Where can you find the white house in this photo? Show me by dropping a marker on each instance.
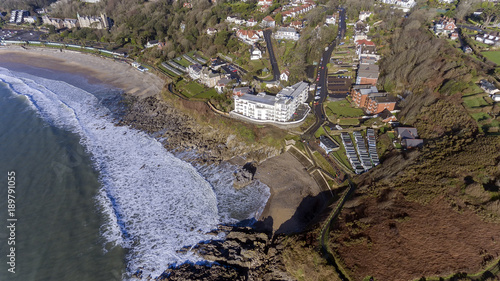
(279, 108)
(152, 43)
(330, 19)
(268, 22)
(211, 31)
(248, 36)
(255, 53)
(287, 33)
(264, 2)
(363, 15)
(251, 22)
(488, 87)
(284, 75)
(194, 71)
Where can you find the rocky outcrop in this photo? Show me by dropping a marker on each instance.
(244, 175)
(245, 254)
(180, 132)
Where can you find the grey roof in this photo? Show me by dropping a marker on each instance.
(412, 142)
(327, 142)
(407, 132)
(295, 90)
(368, 70)
(260, 98)
(287, 29)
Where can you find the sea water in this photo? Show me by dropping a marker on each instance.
(96, 201)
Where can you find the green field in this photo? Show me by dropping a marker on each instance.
(474, 101)
(207, 94)
(343, 109)
(481, 116)
(493, 56)
(319, 132)
(189, 89)
(349, 122)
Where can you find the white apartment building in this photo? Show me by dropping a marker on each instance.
(279, 108)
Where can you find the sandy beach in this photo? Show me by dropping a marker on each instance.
(97, 69)
(294, 193)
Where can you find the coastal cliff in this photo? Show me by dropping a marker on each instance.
(181, 132)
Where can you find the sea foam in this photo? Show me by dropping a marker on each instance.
(154, 203)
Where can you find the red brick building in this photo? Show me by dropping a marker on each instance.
(373, 102)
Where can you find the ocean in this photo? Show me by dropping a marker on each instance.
(96, 201)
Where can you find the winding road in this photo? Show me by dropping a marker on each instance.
(323, 81)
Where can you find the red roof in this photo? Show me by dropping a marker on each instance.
(268, 18)
(364, 42)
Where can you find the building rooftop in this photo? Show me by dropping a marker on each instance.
(327, 142)
(368, 70)
(259, 98)
(294, 90)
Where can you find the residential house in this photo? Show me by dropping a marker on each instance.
(194, 71)
(287, 33)
(297, 24)
(268, 22)
(251, 22)
(495, 97)
(187, 5)
(211, 31)
(56, 22)
(231, 19)
(405, 4)
(71, 23)
(264, 8)
(30, 19)
(445, 25)
(222, 84)
(488, 87)
(240, 21)
(248, 36)
(367, 74)
(152, 43)
(242, 91)
(447, 1)
(255, 53)
(264, 2)
(330, 19)
(284, 75)
(209, 78)
(327, 144)
(492, 38)
(17, 16)
(217, 63)
(409, 137)
(101, 22)
(278, 108)
(454, 35)
(371, 100)
(363, 15)
(387, 116)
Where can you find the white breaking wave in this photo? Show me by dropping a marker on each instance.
(155, 203)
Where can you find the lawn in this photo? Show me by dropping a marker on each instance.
(207, 95)
(349, 122)
(189, 89)
(475, 101)
(493, 56)
(343, 109)
(168, 72)
(182, 61)
(480, 116)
